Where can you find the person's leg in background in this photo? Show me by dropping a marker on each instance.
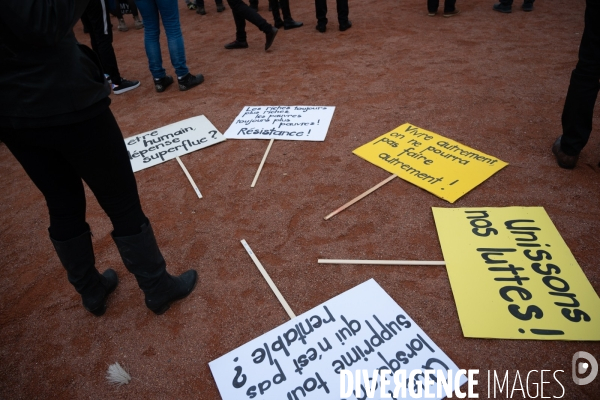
(98, 19)
(578, 111)
(342, 11)
(169, 14)
(321, 11)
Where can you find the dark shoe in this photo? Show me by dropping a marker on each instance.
(278, 24)
(236, 45)
(321, 28)
(191, 6)
(142, 257)
(527, 6)
(201, 11)
(162, 83)
(291, 24)
(432, 13)
(189, 81)
(563, 160)
(451, 13)
(125, 86)
(345, 26)
(220, 8)
(77, 257)
(503, 8)
(270, 37)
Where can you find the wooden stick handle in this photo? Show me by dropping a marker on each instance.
(262, 163)
(365, 194)
(381, 262)
(284, 303)
(189, 177)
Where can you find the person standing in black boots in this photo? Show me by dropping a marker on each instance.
(202, 11)
(287, 22)
(55, 119)
(342, 12)
(242, 12)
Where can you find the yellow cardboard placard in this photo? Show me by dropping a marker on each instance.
(437, 164)
(513, 276)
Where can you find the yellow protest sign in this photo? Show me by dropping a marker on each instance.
(513, 276)
(437, 164)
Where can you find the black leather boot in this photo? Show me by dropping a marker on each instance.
(77, 256)
(142, 257)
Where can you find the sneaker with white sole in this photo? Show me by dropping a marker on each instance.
(125, 86)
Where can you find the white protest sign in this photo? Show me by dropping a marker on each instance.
(163, 144)
(282, 123)
(362, 329)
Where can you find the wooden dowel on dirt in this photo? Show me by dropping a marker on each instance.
(262, 163)
(365, 194)
(265, 275)
(189, 177)
(381, 262)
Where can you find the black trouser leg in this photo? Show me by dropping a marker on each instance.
(433, 5)
(98, 19)
(242, 11)
(58, 158)
(342, 11)
(321, 11)
(275, 10)
(583, 90)
(449, 6)
(285, 10)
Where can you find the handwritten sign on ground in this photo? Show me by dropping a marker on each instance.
(282, 123)
(163, 144)
(362, 328)
(437, 164)
(513, 276)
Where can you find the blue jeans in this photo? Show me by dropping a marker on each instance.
(169, 13)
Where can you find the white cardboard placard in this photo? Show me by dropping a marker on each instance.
(308, 123)
(363, 328)
(163, 144)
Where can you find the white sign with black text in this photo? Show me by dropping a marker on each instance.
(361, 330)
(282, 123)
(163, 144)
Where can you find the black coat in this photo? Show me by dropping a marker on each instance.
(46, 77)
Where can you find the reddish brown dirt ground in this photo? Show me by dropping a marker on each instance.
(492, 81)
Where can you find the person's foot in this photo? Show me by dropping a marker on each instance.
(191, 6)
(270, 37)
(161, 84)
(278, 24)
(503, 8)
(527, 6)
(291, 24)
(345, 26)
(189, 81)
(564, 160)
(125, 86)
(451, 13)
(432, 13)
(122, 27)
(236, 45)
(220, 8)
(321, 28)
(138, 23)
(201, 11)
